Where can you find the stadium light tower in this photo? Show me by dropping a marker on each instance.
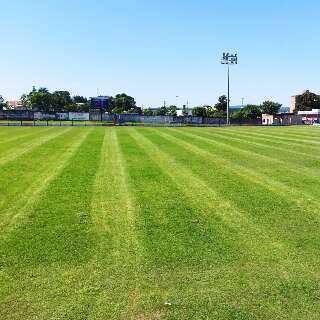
(229, 59)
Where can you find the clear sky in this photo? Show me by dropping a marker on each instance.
(160, 49)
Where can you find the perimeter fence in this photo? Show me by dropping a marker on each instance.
(30, 118)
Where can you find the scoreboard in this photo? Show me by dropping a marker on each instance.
(99, 103)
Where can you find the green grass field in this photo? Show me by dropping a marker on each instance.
(159, 223)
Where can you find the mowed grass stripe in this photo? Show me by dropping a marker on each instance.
(264, 256)
(278, 138)
(12, 141)
(255, 151)
(112, 204)
(240, 170)
(119, 253)
(305, 132)
(21, 181)
(252, 194)
(291, 175)
(6, 132)
(203, 197)
(265, 135)
(10, 134)
(261, 147)
(44, 262)
(297, 148)
(59, 227)
(17, 151)
(171, 221)
(178, 234)
(8, 148)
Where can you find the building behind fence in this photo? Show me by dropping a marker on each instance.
(282, 119)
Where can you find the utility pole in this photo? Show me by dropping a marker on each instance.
(229, 59)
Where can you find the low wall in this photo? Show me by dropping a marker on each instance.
(123, 118)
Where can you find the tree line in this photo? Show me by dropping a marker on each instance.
(61, 101)
(250, 111)
(219, 110)
(58, 101)
(43, 100)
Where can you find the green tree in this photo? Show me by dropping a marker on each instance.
(136, 110)
(72, 107)
(60, 100)
(270, 107)
(83, 107)
(237, 114)
(307, 101)
(39, 100)
(2, 103)
(80, 104)
(123, 103)
(251, 111)
(162, 111)
(172, 111)
(199, 112)
(212, 112)
(41, 89)
(216, 114)
(79, 99)
(222, 104)
(24, 98)
(147, 112)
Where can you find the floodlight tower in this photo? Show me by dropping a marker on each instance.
(229, 59)
(177, 101)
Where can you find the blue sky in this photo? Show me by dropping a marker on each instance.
(156, 50)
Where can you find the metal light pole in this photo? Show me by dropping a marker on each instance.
(228, 59)
(228, 101)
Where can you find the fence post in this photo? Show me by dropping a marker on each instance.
(47, 123)
(20, 123)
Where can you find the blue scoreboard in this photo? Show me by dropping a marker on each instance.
(101, 103)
